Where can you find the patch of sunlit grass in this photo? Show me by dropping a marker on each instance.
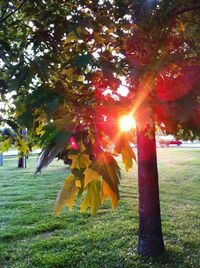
(31, 236)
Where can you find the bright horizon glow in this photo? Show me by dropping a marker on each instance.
(126, 123)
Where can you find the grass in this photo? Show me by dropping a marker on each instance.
(31, 236)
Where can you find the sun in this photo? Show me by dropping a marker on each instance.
(126, 123)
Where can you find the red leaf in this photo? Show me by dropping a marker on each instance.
(176, 81)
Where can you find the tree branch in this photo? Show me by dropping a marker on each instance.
(11, 13)
(4, 11)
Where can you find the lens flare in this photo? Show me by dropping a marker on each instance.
(73, 143)
(127, 123)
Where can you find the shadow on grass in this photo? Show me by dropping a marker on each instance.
(171, 258)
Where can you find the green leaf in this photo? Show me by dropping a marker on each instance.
(93, 198)
(50, 133)
(66, 195)
(40, 67)
(82, 60)
(109, 169)
(21, 78)
(53, 133)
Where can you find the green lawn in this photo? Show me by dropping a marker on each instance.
(31, 236)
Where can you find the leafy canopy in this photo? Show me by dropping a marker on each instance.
(64, 61)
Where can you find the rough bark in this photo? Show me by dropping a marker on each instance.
(150, 242)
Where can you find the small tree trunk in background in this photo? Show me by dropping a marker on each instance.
(150, 242)
(22, 157)
(20, 162)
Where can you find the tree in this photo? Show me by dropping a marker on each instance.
(11, 133)
(65, 61)
(9, 138)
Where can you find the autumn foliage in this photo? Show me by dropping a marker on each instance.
(64, 61)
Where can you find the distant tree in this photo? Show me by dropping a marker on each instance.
(8, 138)
(7, 132)
(65, 61)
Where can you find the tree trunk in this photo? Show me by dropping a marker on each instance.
(150, 242)
(22, 157)
(22, 161)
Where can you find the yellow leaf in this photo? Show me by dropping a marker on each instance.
(127, 156)
(79, 160)
(106, 191)
(109, 169)
(80, 78)
(5, 145)
(99, 39)
(70, 37)
(92, 139)
(110, 30)
(181, 27)
(68, 147)
(69, 72)
(90, 175)
(22, 146)
(92, 199)
(123, 147)
(78, 184)
(70, 200)
(41, 119)
(66, 195)
(81, 146)
(40, 130)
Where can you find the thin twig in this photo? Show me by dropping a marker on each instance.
(4, 11)
(11, 13)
